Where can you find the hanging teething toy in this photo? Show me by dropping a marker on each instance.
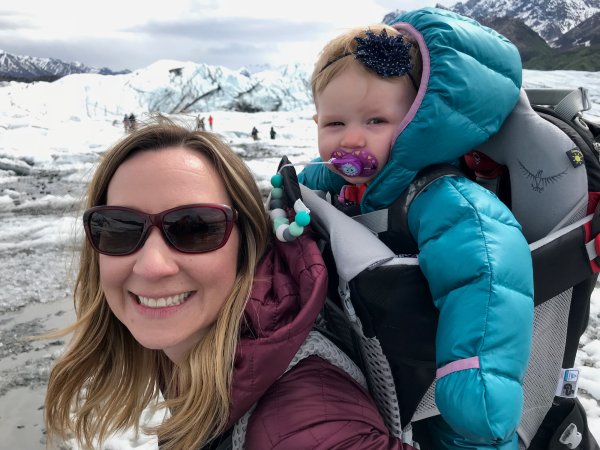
(283, 229)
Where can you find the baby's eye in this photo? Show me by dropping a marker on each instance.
(376, 121)
(334, 124)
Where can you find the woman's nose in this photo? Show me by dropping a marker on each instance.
(354, 137)
(156, 258)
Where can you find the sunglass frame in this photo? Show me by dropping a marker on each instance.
(157, 220)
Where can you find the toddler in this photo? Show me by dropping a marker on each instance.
(390, 101)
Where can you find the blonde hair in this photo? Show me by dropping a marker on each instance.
(105, 378)
(331, 60)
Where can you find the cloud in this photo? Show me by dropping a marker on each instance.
(409, 5)
(13, 21)
(232, 33)
(134, 54)
(232, 29)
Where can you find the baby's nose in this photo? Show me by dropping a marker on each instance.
(353, 138)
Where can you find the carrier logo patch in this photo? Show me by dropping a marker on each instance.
(567, 383)
(539, 181)
(575, 156)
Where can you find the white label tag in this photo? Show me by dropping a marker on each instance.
(567, 384)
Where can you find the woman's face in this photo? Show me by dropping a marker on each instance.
(152, 182)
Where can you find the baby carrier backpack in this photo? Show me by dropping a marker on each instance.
(544, 164)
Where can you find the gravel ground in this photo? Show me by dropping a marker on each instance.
(37, 269)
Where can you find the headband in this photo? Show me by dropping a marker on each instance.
(387, 56)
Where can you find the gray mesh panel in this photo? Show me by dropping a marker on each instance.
(549, 337)
(318, 345)
(427, 407)
(381, 383)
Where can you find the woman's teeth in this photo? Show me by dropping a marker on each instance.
(163, 302)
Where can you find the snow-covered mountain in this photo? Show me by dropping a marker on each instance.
(177, 87)
(166, 86)
(587, 33)
(549, 18)
(32, 68)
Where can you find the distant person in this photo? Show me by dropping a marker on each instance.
(126, 123)
(273, 133)
(132, 122)
(210, 122)
(200, 126)
(254, 133)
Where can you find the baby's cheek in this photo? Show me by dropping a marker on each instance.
(324, 155)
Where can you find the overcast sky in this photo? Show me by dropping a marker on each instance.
(132, 34)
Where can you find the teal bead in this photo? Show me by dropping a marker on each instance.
(279, 221)
(277, 193)
(277, 180)
(295, 229)
(302, 218)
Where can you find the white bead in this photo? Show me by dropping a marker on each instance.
(279, 232)
(277, 212)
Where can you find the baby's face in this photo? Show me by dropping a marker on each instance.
(357, 111)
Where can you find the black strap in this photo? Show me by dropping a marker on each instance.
(565, 412)
(398, 236)
(291, 188)
(560, 264)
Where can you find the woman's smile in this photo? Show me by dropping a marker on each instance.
(163, 301)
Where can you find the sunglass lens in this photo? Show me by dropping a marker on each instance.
(115, 232)
(196, 229)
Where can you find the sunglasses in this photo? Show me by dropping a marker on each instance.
(119, 231)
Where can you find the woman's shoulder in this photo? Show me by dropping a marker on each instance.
(316, 405)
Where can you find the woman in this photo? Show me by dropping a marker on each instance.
(183, 290)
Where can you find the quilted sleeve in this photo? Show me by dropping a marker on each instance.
(317, 406)
(479, 269)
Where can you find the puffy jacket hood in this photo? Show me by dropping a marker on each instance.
(289, 291)
(470, 83)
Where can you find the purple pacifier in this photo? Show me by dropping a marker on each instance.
(357, 163)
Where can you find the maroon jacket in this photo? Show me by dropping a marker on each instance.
(315, 405)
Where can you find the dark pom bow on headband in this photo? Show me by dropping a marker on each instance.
(387, 56)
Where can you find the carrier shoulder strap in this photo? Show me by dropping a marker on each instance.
(391, 224)
(567, 103)
(557, 106)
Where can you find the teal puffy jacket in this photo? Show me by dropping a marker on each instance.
(471, 249)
